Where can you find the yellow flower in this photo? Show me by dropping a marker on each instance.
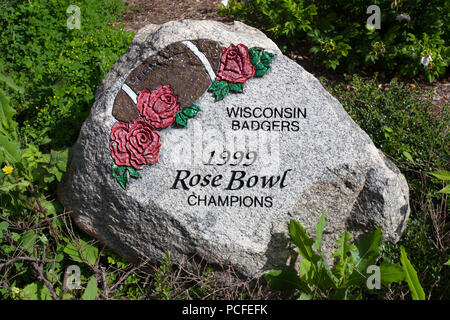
(7, 170)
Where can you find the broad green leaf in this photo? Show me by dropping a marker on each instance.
(344, 252)
(36, 291)
(89, 252)
(11, 149)
(325, 278)
(300, 238)
(10, 83)
(72, 251)
(391, 272)
(307, 271)
(445, 190)
(60, 158)
(305, 296)
(6, 111)
(90, 293)
(3, 226)
(447, 263)
(319, 231)
(286, 280)
(368, 250)
(411, 278)
(181, 119)
(408, 156)
(30, 292)
(443, 175)
(28, 240)
(50, 207)
(82, 252)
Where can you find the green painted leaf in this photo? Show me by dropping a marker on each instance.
(260, 70)
(181, 119)
(90, 293)
(133, 172)
(255, 55)
(391, 272)
(286, 280)
(411, 278)
(319, 231)
(118, 171)
(191, 111)
(236, 87)
(266, 58)
(300, 238)
(218, 85)
(222, 93)
(123, 180)
(443, 175)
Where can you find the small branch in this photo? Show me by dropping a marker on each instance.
(43, 278)
(25, 259)
(105, 285)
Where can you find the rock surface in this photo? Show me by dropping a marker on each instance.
(323, 163)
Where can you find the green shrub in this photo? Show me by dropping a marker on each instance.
(59, 68)
(399, 120)
(337, 34)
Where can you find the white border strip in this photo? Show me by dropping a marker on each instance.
(130, 92)
(202, 58)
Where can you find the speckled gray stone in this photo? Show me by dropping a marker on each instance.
(334, 167)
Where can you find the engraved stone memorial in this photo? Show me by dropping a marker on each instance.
(206, 140)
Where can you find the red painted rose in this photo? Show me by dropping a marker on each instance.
(134, 144)
(159, 107)
(235, 65)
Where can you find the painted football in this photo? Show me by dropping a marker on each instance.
(189, 67)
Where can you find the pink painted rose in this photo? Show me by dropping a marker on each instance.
(134, 144)
(235, 65)
(159, 107)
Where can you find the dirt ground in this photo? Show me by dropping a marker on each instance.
(143, 12)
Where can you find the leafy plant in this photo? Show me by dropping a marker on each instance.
(338, 35)
(59, 68)
(443, 176)
(348, 278)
